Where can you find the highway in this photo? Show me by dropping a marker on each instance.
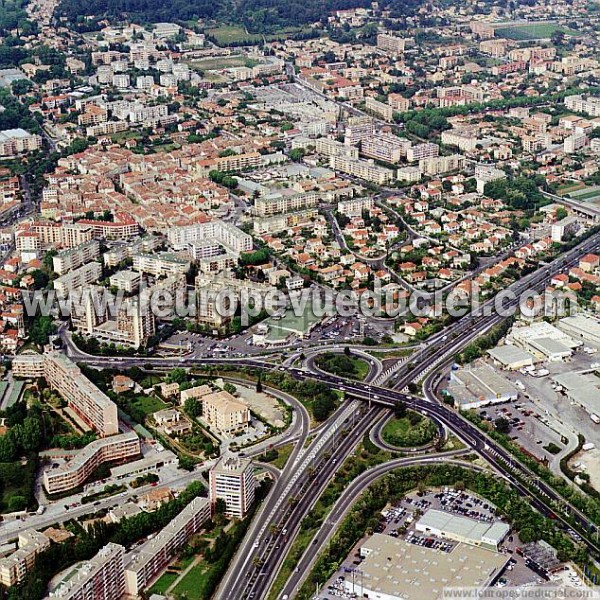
(347, 500)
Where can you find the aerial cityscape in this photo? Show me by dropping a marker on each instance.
(299, 300)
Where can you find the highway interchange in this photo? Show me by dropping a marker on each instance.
(317, 455)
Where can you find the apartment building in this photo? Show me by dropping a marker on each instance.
(75, 257)
(464, 139)
(117, 448)
(225, 234)
(123, 227)
(162, 264)
(57, 234)
(94, 408)
(119, 253)
(277, 223)
(17, 141)
(421, 151)
(398, 102)
(386, 147)
(100, 578)
(391, 43)
(329, 147)
(589, 105)
(14, 567)
(363, 169)
(358, 129)
(354, 207)
(84, 275)
(442, 164)
(225, 413)
(143, 564)
(385, 111)
(274, 204)
(235, 162)
(574, 143)
(232, 480)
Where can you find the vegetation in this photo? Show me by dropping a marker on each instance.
(364, 516)
(409, 431)
(343, 365)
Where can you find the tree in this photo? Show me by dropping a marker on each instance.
(17, 503)
(193, 407)
(502, 425)
(177, 375)
(32, 434)
(229, 387)
(259, 386)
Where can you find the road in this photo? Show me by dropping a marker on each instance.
(345, 503)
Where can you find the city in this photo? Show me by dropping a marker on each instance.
(299, 300)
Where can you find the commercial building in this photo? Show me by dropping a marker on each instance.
(363, 169)
(16, 141)
(143, 564)
(511, 357)
(585, 329)
(224, 412)
(100, 578)
(463, 529)
(14, 567)
(84, 275)
(85, 401)
(117, 448)
(232, 480)
(394, 569)
(479, 385)
(581, 388)
(75, 257)
(544, 341)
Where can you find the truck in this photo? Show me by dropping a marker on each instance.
(588, 446)
(595, 418)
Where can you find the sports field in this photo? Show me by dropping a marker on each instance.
(531, 31)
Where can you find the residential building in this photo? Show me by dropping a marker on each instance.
(17, 141)
(216, 232)
(421, 151)
(146, 562)
(84, 275)
(225, 413)
(232, 480)
(75, 257)
(363, 169)
(385, 111)
(100, 578)
(385, 147)
(391, 43)
(14, 567)
(115, 449)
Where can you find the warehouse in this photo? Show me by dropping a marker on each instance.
(581, 388)
(583, 328)
(463, 529)
(479, 385)
(545, 341)
(511, 358)
(394, 569)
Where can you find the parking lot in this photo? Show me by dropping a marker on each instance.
(399, 521)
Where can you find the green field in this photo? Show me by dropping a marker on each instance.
(531, 31)
(409, 431)
(223, 62)
(586, 194)
(343, 365)
(148, 404)
(225, 35)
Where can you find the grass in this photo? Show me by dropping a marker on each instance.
(193, 584)
(283, 455)
(564, 190)
(532, 31)
(149, 404)
(163, 583)
(225, 35)
(343, 365)
(409, 431)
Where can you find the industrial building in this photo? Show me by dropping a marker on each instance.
(394, 569)
(544, 341)
(581, 388)
(511, 357)
(583, 328)
(478, 385)
(463, 529)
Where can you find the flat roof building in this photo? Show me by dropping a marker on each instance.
(14, 567)
(511, 357)
(100, 578)
(117, 448)
(394, 569)
(232, 480)
(463, 529)
(544, 341)
(583, 328)
(146, 562)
